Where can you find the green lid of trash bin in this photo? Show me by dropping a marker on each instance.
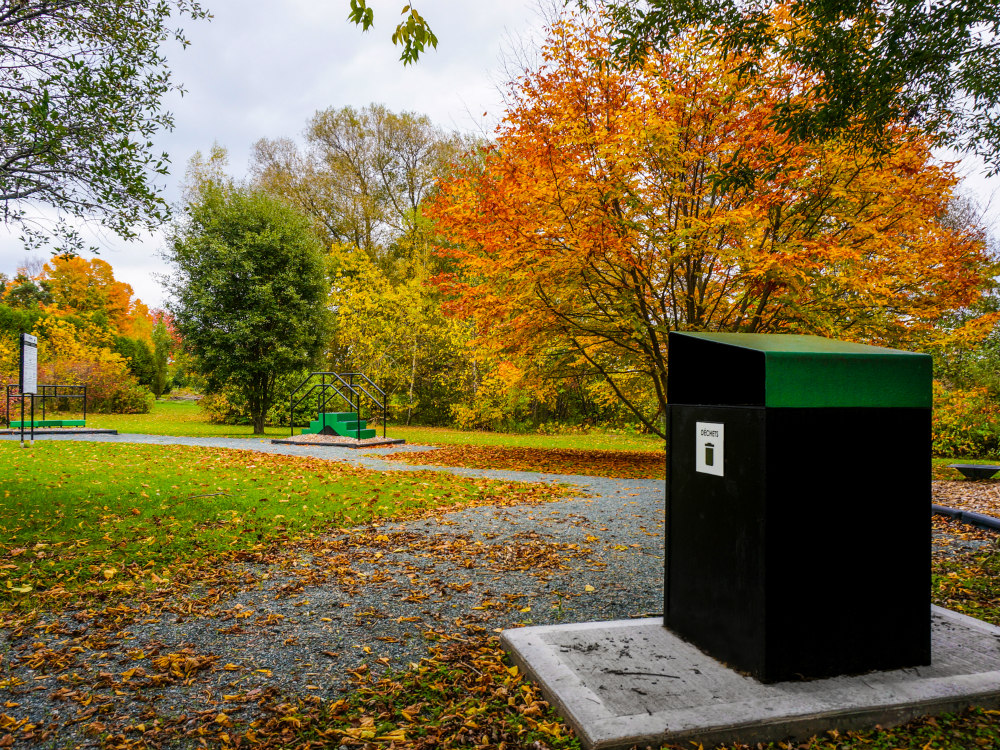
(788, 370)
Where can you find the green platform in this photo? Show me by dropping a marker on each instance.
(50, 423)
(345, 424)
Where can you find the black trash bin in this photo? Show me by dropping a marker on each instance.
(798, 504)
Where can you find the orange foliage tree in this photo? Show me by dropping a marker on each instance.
(88, 288)
(617, 205)
(90, 328)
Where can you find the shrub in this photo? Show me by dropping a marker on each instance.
(111, 389)
(14, 321)
(5, 379)
(220, 410)
(131, 398)
(966, 422)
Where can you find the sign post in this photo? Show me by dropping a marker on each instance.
(28, 380)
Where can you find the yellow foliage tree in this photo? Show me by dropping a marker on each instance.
(395, 333)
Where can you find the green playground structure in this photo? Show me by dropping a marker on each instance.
(343, 423)
(354, 390)
(52, 397)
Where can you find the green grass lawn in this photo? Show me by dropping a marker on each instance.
(74, 515)
(175, 418)
(186, 418)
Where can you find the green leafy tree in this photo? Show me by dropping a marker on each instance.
(139, 356)
(249, 291)
(930, 64)
(25, 292)
(81, 90)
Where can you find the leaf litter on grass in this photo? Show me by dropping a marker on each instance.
(595, 463)
(133, 650)
(979, 496)
(109, 665)
(118, 687)
(951, 536)
(78, 516)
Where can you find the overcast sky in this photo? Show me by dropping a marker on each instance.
(263, 69)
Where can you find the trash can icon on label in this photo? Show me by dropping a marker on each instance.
(709, 444)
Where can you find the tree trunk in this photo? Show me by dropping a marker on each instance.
(259, 403)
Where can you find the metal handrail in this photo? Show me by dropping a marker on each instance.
(350, 403)
(367, 380)
(322, 387)
(304, 382)
(347, 381)
(354, 389)
(350, 388)
(55, 394)
(384, 402)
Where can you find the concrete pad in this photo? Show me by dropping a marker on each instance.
(633, 683)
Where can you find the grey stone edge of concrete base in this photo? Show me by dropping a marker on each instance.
(50, 433)
(601, 729)
(371, 446)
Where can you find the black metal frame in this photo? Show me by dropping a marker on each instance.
(346, 380)
(53, 392)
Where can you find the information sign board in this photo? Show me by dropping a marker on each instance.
(29, 364)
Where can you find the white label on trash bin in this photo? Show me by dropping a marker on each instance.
(710, 441)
